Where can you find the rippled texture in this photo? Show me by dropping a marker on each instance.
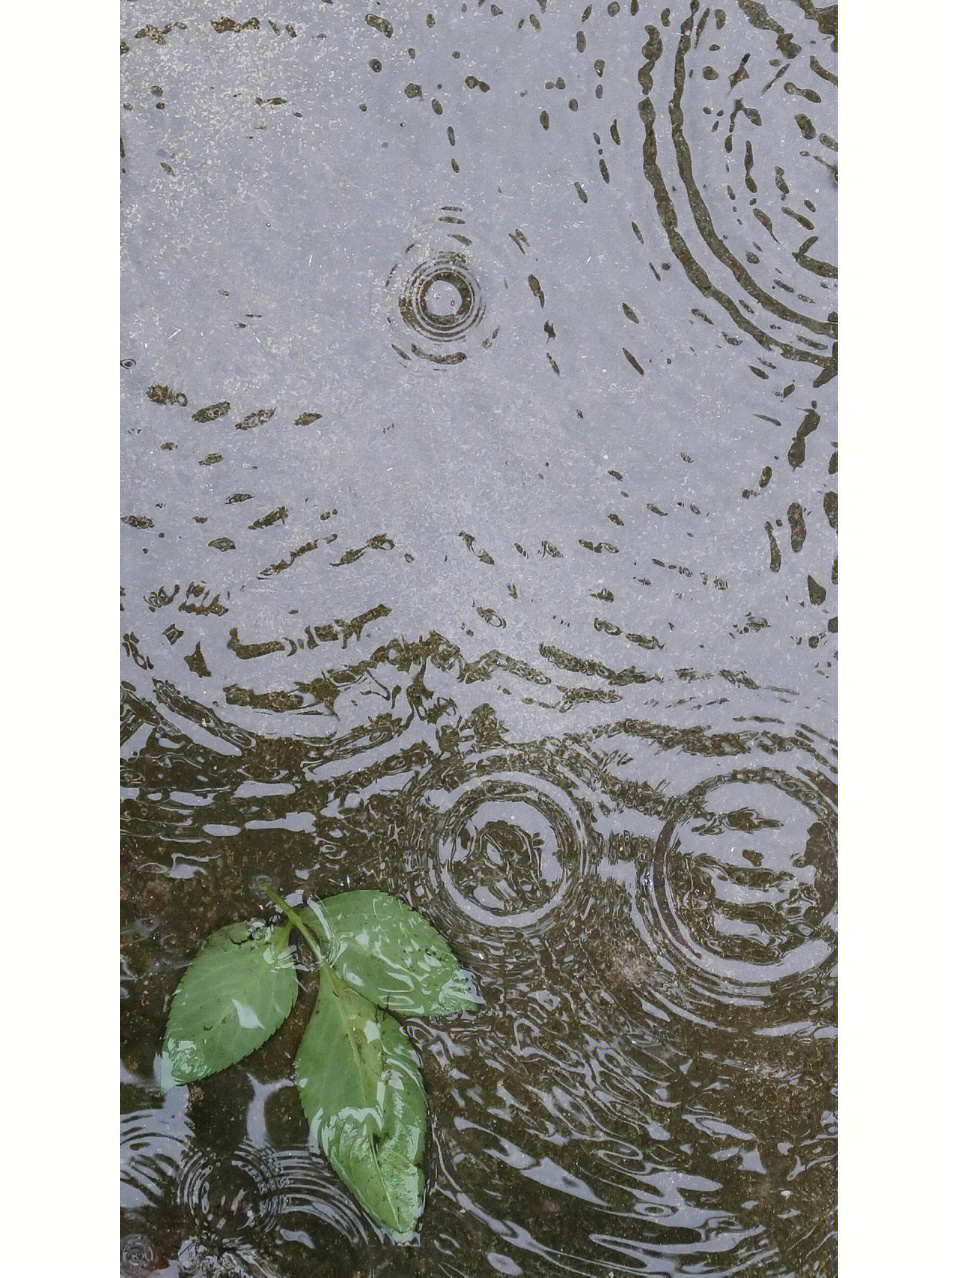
(479, 547)
(432, 300)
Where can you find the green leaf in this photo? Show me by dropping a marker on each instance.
(362, 1094)
(392, 955)
(236, 993)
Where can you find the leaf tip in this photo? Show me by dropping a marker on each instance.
(165, 1073)
(403, 1238)
(459, 994)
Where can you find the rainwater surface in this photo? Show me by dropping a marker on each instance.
(478, 428)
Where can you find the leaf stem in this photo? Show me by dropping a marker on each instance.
(323, 921)
(296, 918)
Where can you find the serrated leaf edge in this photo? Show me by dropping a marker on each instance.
(168, 1079)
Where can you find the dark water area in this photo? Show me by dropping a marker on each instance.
(479, 472)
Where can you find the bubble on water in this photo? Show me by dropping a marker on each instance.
(261, 885)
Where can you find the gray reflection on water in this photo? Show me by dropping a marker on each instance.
(479, 519)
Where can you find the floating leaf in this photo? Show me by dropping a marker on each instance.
(392, 955)
(236, 993)
(363, 1097)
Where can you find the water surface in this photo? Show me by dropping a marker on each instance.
(479, 546)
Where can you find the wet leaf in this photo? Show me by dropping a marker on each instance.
(363, 1097)
(236, 993)
(393, 956)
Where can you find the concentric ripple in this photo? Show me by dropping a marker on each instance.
(234, 1197)
(440, 298)
(734, 922)
(740, 123)
(475, 373)
(196, 1260)
(138, 1256)
(434, 299)
(506, 840)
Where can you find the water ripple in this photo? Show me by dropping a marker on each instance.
(729, 922)
(434, 299)
(479, 528)
(237, 1197)
(505, 840)
(138, 1256)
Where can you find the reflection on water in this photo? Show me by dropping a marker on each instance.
(646, 907)
(479, 506)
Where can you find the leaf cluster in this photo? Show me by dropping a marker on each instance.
(357, 1072)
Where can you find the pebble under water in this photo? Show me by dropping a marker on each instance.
(479, 546)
